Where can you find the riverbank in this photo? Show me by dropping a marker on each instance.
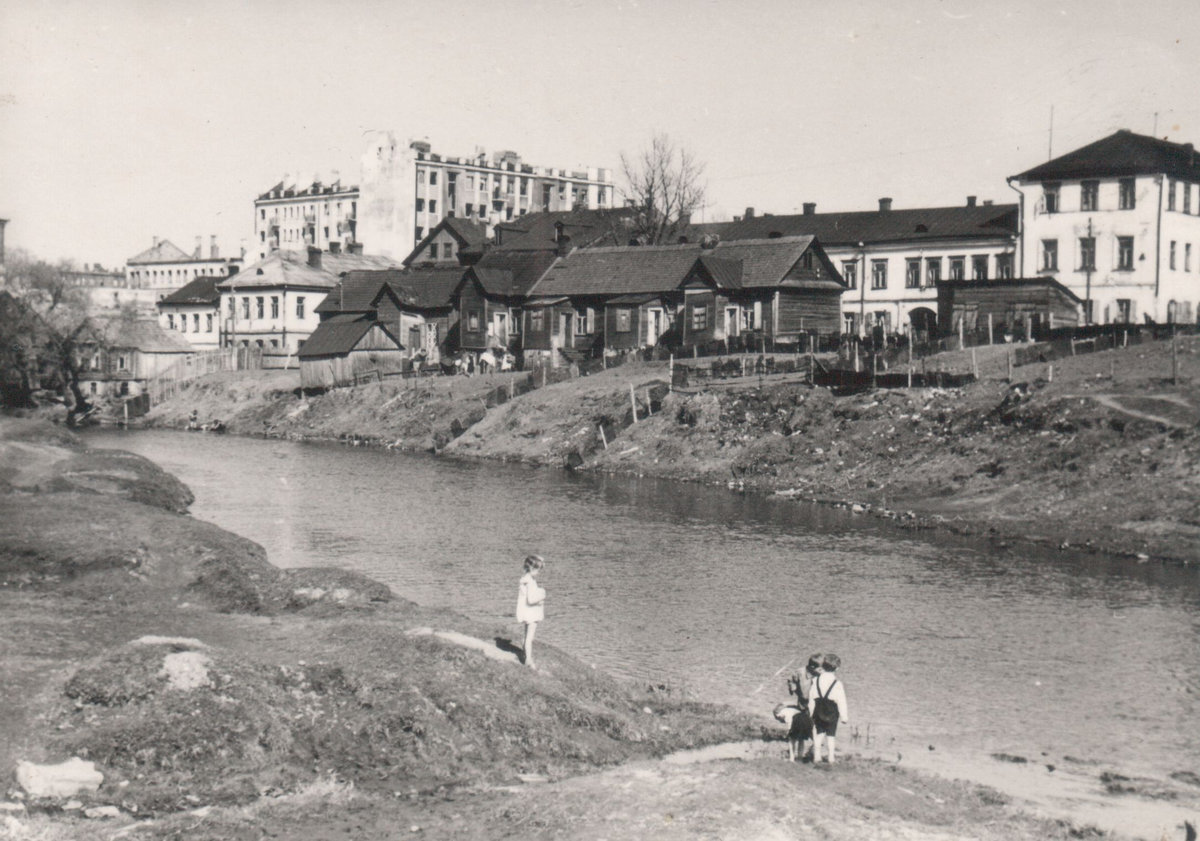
(1100, 454)
(224, 698)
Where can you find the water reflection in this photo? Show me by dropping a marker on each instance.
(944, 639)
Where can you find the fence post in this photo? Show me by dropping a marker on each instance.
(1050, 373)
(1174, 359)
(671, 372)
(633, 402)
(974, 364)
(1008, 357)
(603, 437)
(990, 328)
(961, 328)
(1072, 341)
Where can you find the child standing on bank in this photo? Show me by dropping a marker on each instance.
(530, 598)
(827, 706)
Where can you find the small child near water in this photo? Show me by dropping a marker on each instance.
(530, 608)
(827, 706)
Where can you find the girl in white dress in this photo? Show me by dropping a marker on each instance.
(530, 599)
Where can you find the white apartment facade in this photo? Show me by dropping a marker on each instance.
(292, 217)
(164, 268)
(1118, 223)
(407, 189)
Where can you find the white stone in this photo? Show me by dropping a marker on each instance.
(102, 812)
(186, 670)
(62, 780)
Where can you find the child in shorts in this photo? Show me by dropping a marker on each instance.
(827, 706)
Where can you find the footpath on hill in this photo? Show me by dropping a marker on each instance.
(209, 695)
(1100, 453)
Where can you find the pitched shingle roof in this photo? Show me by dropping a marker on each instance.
(359, 291)
(141, 334)
(339, 335)
(511, 273)
(639, 270)
(586, 228)
(469, 233)
(1120, 154)
(874, 226)
(202, 290)
(290, 268)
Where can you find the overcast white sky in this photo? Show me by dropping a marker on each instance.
(125, 119)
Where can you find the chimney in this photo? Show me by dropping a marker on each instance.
(335, 247)
(810, 208)
(314, 257)
(749, 213)
(558, 231)
(213, 252)
(355, 247)
(885, 205)
(970, 201)
(155, 242)
(197, 253)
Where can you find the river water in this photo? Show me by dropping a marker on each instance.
(967, 647)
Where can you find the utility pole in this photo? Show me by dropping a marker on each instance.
(1090, 267)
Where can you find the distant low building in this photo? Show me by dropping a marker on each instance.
(164, 268)
(292, 216)
(193, 312)
(126, 353)
(346, 349)
(109, 289)
(1012, 308)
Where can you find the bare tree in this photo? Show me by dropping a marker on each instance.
(663, 184)
(49, 328)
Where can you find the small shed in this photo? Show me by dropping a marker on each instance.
(1014, 304)
(347, 348)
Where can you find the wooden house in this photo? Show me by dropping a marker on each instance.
(688, 294)
(347, 348)
(492, 295)
(124, 354)
(1018, 307)
(454, 241)
(416, 305)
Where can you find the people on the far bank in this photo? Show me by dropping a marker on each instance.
(827, 706)
(530, 604)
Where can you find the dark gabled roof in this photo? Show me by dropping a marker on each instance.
(1120, 154)
(510, 273)
(874, 226)
(355, 293)
(586, 229)
(202, 290)
(469, 233)
(290, 268)
(339, 335)
(428, 289)
(640, 270)
(420, 289)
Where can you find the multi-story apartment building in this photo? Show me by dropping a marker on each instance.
(292, 217)
(407, 189)
(164, 268)
(1118, 223)
(892, 260)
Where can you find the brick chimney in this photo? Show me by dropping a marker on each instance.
(199, 242)
(335, 247)
(885, 204)
(970, 201)
(810, 208)
(314, 257)
(355, 247)
(214, 253)
(749, 213)
(155, 245)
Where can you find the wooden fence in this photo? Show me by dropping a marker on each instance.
(176, 378)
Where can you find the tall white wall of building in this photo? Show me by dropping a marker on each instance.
(387, 193)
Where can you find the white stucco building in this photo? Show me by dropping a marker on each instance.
(292, 216)
(164, 267)
(1118, 223)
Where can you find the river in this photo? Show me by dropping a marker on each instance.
(946, 643)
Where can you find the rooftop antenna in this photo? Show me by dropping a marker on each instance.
(1050, 151)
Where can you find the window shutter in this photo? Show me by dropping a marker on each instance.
(1107, 320)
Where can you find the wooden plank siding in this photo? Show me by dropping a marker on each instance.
(1009, 305)
(808, 311)
(472, 302)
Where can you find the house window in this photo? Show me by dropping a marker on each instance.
(433, 250)
(806, 260)
(420, 233)
(1187, 198)
(1050, 255)
(183, 323)
(979, 265)
(912, 274)
(537, 321)
(581, 325)
(1127, 194)
(470, 183)
(850, 273)
(1125, 253)
(196, 322)
(1124, 310)
(208, 322)
(624, 320)
(470, 208)
(300, 306)
(1089, 310)
(246, 308)
(258, 306)
(1171, 256)
(433, 205)
(170, 322)
(232, 304)
(933, 270)
(1050, 197)
(1087, 253)
(274, 306)
(699, 317)
(1004, 266)
(432, 177)
(420, 176)
(122, 363)
(1089, 195)
(473, 321)
(1187, 256)
(879, 274)
(420, 205)
(958, 268)
(1171, 194)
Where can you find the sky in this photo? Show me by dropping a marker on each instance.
(122, 120)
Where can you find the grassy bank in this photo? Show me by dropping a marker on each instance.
(224, 698)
